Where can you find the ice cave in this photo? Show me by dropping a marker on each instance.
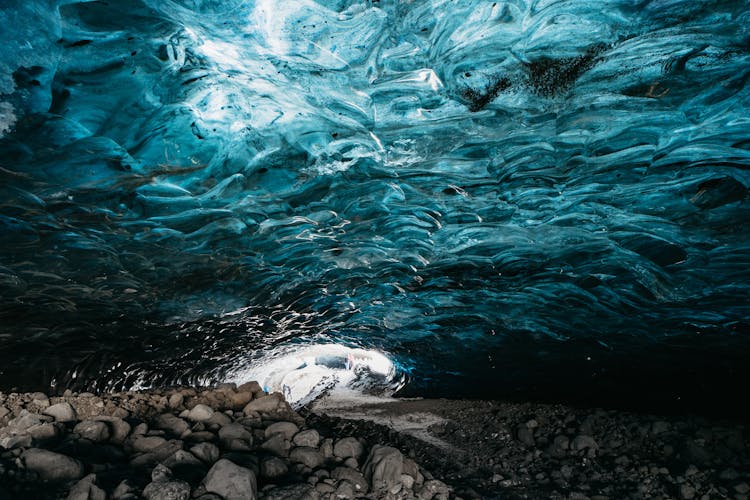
(522, 199)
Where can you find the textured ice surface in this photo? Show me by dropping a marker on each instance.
(483, 189)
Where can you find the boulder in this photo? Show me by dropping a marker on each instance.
(86, 489)
(272, 403)
(199, 413)
(273, 467)
(286, 429)
(235, 431)
(353, 476)
(384, 467)
(309, 457)
(207, 452)
(94, 431)
(119, 429)
(51, 466)
(309, 437)
(231, 481)
(170, 423)
(61, 412)
(277, 445)
(167, 490)
(348, 447)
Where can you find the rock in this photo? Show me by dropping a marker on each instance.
(119, 429)
(286, 429)
(742, 488)
(181, 458)
(660, 427)
(309, 437)
(686, 491)
(277, 445)
(206, 452)
(218, 419)
(384, 467)
(145, 444)
(239, 400)
(252, 387)
(24, 421)
(525, 435)
(348, 447)
(51, 466)
(351, 462)
(273, 467)
(433, 489)
(92, 430)
(167, 490)
(124, 488)
(43, 432)
(4, 411)
(326, 447)
(170, 423)
(61, 412)
(199, 413)
(309, 457)
(293, 492)
(235, 431)
(175, 400)
(407, 481)
(354, 477)
(582, 442)
(272, 403)
(86, 489)
(231, 481)
(345, 489)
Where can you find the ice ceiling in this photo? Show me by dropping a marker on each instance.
(489, 192)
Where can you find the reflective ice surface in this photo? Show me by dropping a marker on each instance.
(493, 192)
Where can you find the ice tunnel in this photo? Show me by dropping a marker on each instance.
(528, 198)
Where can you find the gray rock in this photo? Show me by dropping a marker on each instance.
(273, 467)
(92, 430)
(384, 467)
(161, 473)
(686, 491)
(206, 452)
(351, 462)
(583, 442)
(170, 423)
(525, 435)
(145, 444)
(354, 477)
(660, 427)
(235, 431)
(124, 488)
(407, 481)
(348, 447)
(118, 428)
(293, 492)
(286, 429)
(218, 418)
(3, 411)
(181, 458)
(24, 421)
(175, 400)
(43, 432)
(13, 442)
(272, 403)
(433, 489)
(50, 466)
(86, 489)
(326, 447)
(309, 457)
(309, 437)
(277, 445)
(167, 490)
(199, 413)
(61, 412)
(231, 481)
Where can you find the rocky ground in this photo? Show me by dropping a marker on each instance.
(238, 442)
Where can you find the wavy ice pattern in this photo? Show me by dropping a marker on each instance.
(480, 189)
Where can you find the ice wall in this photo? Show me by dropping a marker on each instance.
(186, 182)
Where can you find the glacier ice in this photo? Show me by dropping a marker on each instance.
(476, 186)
